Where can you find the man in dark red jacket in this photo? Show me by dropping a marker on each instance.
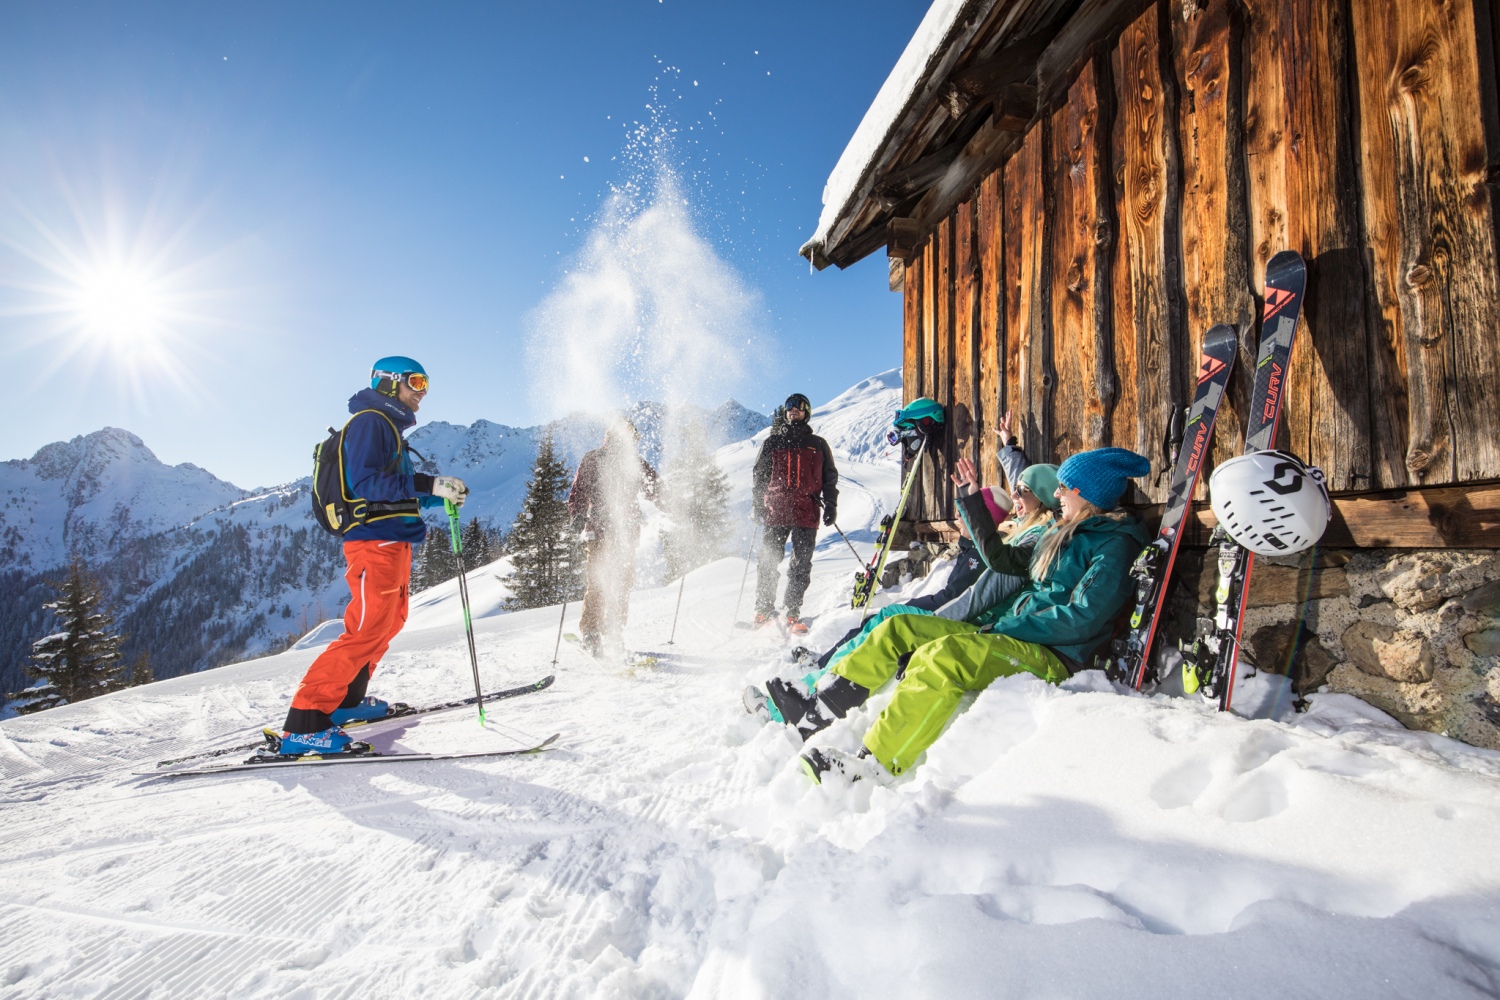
(794, 474)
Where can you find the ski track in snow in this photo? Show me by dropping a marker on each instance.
(1068, 842)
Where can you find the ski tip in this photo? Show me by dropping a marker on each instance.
(545, 743)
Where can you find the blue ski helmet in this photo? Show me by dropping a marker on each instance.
(386, 372)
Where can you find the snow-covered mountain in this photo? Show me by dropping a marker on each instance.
(86, 497)
(203, 572)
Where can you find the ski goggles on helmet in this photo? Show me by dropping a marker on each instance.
(415, 381)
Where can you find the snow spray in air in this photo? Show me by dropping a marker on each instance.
(649, 312)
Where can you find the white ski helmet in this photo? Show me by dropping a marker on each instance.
(1270, 502)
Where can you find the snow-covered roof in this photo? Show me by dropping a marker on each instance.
(897, 95)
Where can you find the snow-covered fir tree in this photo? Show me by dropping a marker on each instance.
(433, 563)
(476, 542)
(545, 553)
(695, 496)
(82, 658)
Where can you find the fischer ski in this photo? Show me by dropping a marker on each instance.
(1210, 663)
(399, 710)
(365, 755)
(1130, 655)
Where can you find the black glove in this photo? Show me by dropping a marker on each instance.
(757, 514)
(830, 514)
(579, 523)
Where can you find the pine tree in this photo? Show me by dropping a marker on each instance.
(434, 562)
(695, 497)
(140, 671)
(544, 549)
(81, 659)
(476, 542)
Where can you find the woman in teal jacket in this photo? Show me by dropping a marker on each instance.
(1077, 584)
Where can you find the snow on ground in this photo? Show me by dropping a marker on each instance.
(1057, 842)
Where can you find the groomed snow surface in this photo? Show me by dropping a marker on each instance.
(1057, 842)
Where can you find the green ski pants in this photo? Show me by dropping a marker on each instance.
(948, 658)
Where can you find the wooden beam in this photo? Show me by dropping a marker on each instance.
(1012, 64)
(991, 345)
(1027, 224)
(1430, 228)
(903, 236)
(1303, 189)
(1215, 249)
(1082, 241)
(1148, 337)
(1089, 25)
(1434, 517)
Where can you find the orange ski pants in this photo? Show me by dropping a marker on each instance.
(379, 577)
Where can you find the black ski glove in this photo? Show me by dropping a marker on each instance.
(830, 514)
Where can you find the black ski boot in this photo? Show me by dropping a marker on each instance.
(836, 697)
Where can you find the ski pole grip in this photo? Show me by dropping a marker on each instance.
(453, 532)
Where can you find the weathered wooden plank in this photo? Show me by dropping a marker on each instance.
(964, 413)
(1429, 222)
(1303, 195)
(991, 337)
(1215, 248)
(911, 332)
(1148, 344)
(1081, 241)
(1026, 321)
(923, 499)
(942, 385)
(1433, 517)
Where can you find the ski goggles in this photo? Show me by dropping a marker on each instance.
(415, 381)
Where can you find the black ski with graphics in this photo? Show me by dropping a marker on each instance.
(1210, 663)
(359, 753)
(399, 710)
(1130, 655)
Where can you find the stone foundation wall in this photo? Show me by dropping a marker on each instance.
(1416, 633)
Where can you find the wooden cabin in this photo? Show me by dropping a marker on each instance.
(1071, 192)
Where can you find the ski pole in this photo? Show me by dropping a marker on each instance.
(754, 539)
(558, 644)
(463, 596)
(680, 584)
(848, 543)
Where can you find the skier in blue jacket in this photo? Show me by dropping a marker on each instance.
(377, 469)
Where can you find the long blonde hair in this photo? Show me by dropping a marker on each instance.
(1057, 539)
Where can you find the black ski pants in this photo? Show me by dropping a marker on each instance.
(799, 573)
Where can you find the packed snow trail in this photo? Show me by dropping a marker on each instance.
(1067, 842)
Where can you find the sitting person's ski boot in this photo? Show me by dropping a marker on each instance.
(832, 701)
(368, 710)
(332, 740)
(817, 762)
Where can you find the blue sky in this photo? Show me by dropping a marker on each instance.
(296, 189)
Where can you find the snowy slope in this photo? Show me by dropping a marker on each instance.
(1058, 842)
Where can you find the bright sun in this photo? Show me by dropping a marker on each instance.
(120, 305)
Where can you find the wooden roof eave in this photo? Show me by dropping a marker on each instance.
(1014, 65)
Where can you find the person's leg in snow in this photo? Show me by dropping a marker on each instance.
(940, 671)
(379, 575)
(767, 574)
(849, 684)
(799, 572)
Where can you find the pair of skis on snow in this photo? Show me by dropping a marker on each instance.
(1209, 664)
(359, 752)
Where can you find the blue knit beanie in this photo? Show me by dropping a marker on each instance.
(1100, 475)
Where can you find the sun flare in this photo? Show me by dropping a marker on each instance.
(120, 304)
